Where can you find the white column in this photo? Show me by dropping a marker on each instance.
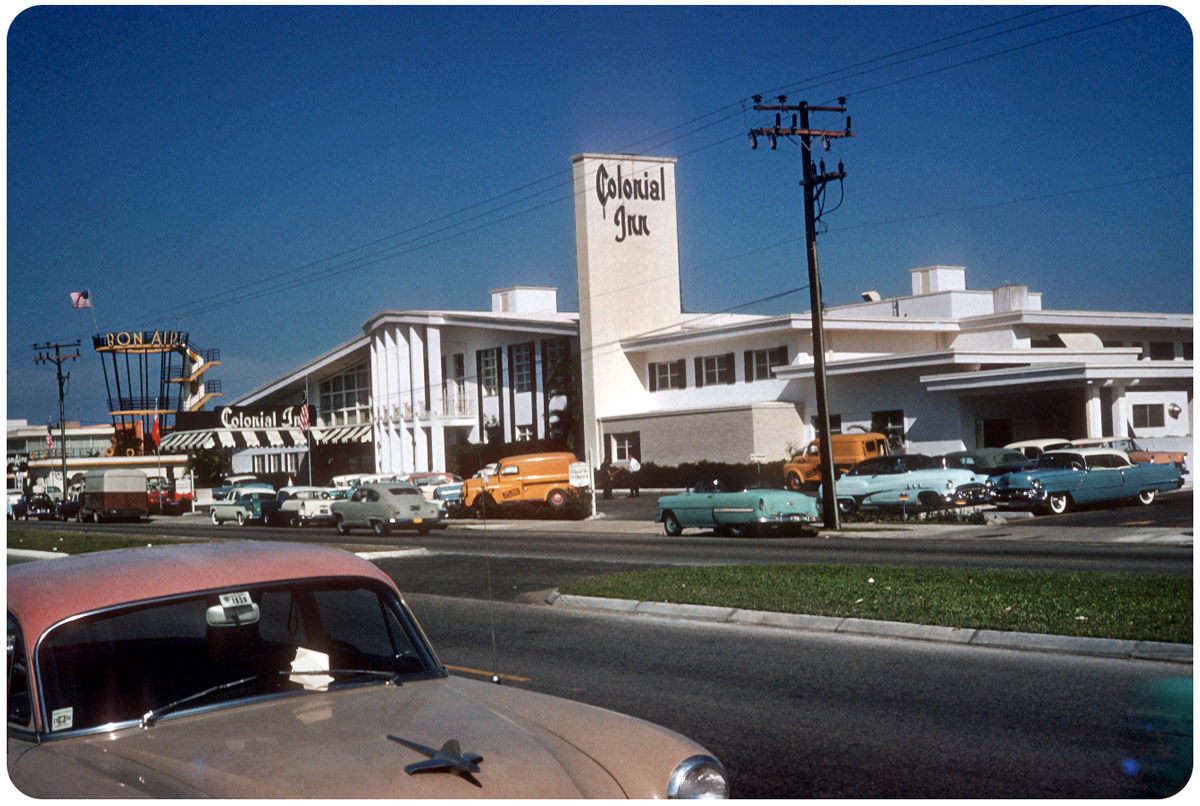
(437, 430)
(378, 393)
(1120, 412)
(1095, 427)
(403, 397)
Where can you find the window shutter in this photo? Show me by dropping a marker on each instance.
(699, 372)
(748, 357)
(653, 379)
(727, 363)
(779, 357)
(681, 372)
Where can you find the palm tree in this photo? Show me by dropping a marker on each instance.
(563, 381)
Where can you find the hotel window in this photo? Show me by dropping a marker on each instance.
(556, 350)
(714, 369)
(759, 363)
(491, 372)
(522, 367)
(345, 399)
(524, 433)
(1162, 351)
(1149, 415)
(890, 423)
(625, 446)
(668, 375)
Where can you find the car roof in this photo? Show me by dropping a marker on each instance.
(1037, 443)
(45, 592)
(383, 485)
(1088, 452)
(296, 488)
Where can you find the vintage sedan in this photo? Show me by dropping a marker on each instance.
(1136, 453)
(1064, 478)
(276, 670)
(300, 506)
(907, 479)
(988, 461)
(735, 509)
(382, 507)
(18, 507)
(244, 505)
(42, 507)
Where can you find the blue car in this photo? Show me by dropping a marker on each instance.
(907, 479)
(1064, 478)
(730, 508)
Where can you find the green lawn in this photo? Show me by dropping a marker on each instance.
(1100, 605)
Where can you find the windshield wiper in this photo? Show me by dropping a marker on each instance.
(151, 716)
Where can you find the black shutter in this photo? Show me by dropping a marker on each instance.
(653, 379)
(779, 356)
(727, 361)
(749, 362)
(699, 373)
(681, 371)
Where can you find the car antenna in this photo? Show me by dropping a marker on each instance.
(487, 562)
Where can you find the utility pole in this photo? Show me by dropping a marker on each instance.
(43, 356)
(814, 187)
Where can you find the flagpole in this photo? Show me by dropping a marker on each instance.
(307, 437)
(92, 305)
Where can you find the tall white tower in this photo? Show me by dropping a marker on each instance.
(627, 251)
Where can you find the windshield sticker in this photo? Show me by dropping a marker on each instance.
(231, 600)
(307, 668)
(62, 719)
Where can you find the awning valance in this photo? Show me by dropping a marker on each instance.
(184, 441)
(343, 434)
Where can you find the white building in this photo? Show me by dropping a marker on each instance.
(943, 368)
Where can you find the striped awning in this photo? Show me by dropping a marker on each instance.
(343, 434)
(184, 441)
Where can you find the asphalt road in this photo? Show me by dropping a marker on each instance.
(804, 715)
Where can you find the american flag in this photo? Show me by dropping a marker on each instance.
(81, 299)
(304, 412)
(49, 436)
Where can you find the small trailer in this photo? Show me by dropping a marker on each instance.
(114, 493)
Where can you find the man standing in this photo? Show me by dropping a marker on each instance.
(635, 467)
(606, 479)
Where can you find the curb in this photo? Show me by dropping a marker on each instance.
(963, 636)
(31, 554)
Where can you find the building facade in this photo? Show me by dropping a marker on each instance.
(943, 368)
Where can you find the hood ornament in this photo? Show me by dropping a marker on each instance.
(450, 758)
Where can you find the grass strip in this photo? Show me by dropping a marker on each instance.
(1141, 607)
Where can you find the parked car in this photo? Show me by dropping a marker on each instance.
(300, 506)
(382, 507)
(848, 450)
(532, 478)
(246, 504)
(1061, 479)
(18, 507)
(113, 493)
(164, 496)
(988, 461)
(1136, 453)
(427, 483)
(42, 507)
(274, 670)
(449, 498)
(907, 479)
(732, 508)
(231, 483)
(1033, 448)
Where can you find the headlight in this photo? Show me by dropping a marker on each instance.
(1036, 484)
(698, 777)
(949, 485)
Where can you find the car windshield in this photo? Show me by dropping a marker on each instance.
(1060, 461)
(118, 665)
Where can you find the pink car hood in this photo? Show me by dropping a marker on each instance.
(335, 745)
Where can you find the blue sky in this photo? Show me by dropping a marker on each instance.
(267, 178)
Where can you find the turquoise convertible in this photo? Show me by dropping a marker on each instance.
(732, 509)
(907, 480)
(1064, 478)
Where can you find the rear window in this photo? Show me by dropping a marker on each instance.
(404, 491)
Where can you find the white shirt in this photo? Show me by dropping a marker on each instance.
(634, 465)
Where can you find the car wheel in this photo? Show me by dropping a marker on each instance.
(556, 498)
(294, 521)
(794, 482)
(671, 524)
(422, 530)
(241, 518)
(738, 530)
(928, 500)
(847, 506)
(379, 528)
(213, 517)
(1146, 497)
(1058, 503)
(342, 528)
